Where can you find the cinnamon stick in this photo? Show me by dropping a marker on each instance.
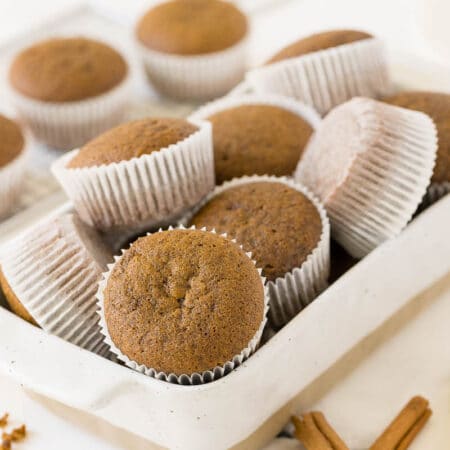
(4, 420)
(315, 433)
(404, 428)
(414, 431)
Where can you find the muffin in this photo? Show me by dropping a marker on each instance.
(171, 304)
(140, 174)
(370, 163)
(326, 69)
(12, 163)
(437, 106)
(258, 134)
(68, 90)
(193, 50)
(49, 275)
(286, 230)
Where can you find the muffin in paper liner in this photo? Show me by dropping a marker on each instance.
(67, 125)
(195, 77)
(134, 195)
(299, 287)
(53, 270)
(184, 379)
(302, 110)
(326, 78)
(370, 164)
(11, 180)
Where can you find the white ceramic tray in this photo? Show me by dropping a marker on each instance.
(248, 407)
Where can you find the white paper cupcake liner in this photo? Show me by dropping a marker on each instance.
(184, 379)
(55, 278)
(299, 287)
(11, 180)
(196, 77)
(140, 193)
(68, 125)
(435, 192)
(302, 110)
(326, 78)
(383, 186)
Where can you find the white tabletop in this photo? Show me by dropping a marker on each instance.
(405, 357)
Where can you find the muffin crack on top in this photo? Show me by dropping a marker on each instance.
(183, 301)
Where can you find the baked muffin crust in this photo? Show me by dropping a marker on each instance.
(131, 140)
(319, 41)
(193, 27)
(12, 141)
(14, 303)
(278, 224)
(67, 69)
(437, 106)
(257, 139)
(183, 301)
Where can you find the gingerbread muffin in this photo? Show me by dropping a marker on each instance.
(67, 70)
(49, 275)
(257, 139)
(326, 69)
(171, 304)
(63, 86)
(317, 42)
(193, 27)
(193, 49)
(12, 141)
(437, 106)
(286, 230)
(140, 174)
(132, 140)
(277, 223)
(12, 163)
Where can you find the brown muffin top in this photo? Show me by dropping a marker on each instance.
(131, 140)
(437, 106)
(183, 301)
(192, 27)
(12, 141)
(257, 139)
(278, 224)
(319, 41)
(66, 70)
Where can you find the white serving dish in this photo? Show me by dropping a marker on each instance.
(248, 407)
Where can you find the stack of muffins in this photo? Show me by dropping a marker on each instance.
(255, 183)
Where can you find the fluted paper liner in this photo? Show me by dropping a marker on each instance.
(302, 110)
(196, 77)
(299, 287)
(382, 186)
(11, 180)
(67, 125)
(143, 192)
(326, 78)
(54, 276)
(184, 379)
